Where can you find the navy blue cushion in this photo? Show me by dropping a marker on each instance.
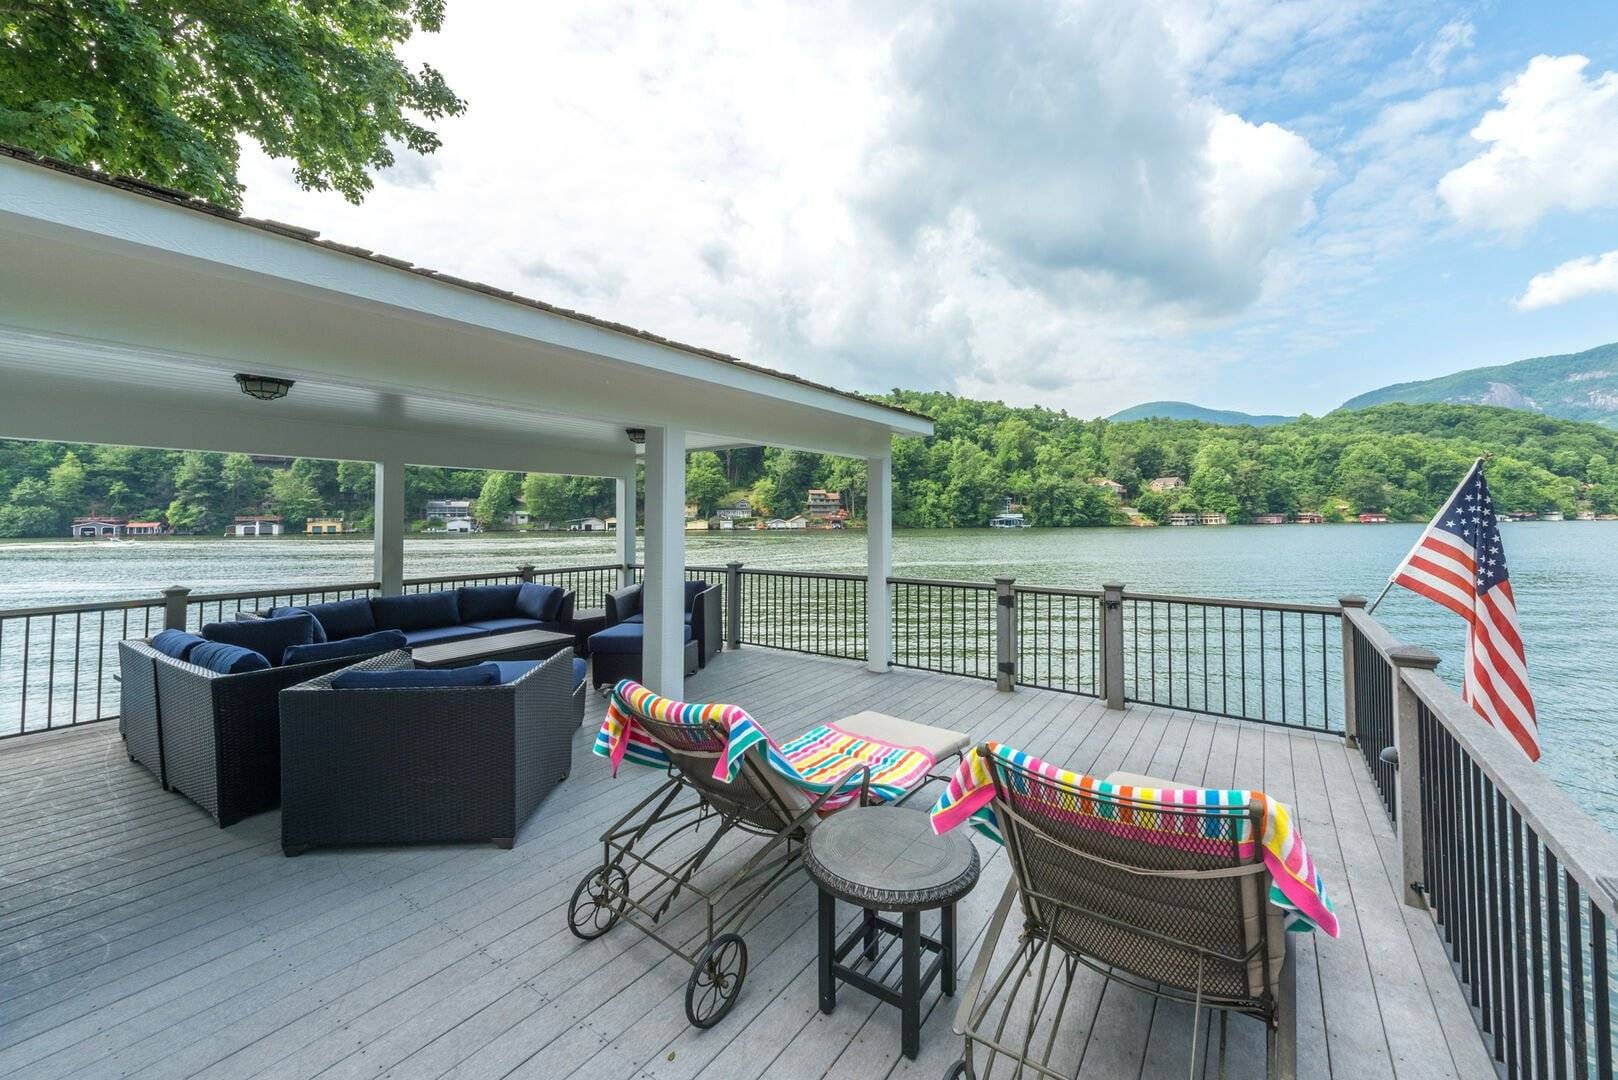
(479, 602)
(692, 588)
(512, 670)
(175, 643)
(581, 666)
(342, 618)
(438, 635)
(542, 602)
(280, 612)
(268, 637)
(226, 659)
(367, 645)
(496, 626)
(418, 611)
(642, 618)
(623, 638)
(416, 678)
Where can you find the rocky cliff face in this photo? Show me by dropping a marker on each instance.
(1575, 386)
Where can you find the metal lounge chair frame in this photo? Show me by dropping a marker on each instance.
(1176, 921)
(757, 804)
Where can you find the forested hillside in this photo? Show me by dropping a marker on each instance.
(1401, 459)
(1573, 386)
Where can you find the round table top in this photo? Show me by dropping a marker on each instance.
(887, 858)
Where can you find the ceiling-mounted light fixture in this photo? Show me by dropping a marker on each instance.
(637, 435)
(263, 387)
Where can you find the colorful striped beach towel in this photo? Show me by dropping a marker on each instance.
(817, 762)
(1295, 885)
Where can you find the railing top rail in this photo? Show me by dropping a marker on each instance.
(1055, 590)
(748, 571)
(1236, 602)
(983, 586)
(1374, 632)
(84, 608)
(1582, 847)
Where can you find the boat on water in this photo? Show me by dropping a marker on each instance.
(1008, 521)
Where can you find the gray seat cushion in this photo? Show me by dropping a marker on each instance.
(516, 622)
(937, 742)
(437, 635)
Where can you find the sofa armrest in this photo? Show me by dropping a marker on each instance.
(564, 611)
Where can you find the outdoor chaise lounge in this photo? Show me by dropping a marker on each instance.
(727, 776)
(202, 714)
(416, 756)
(1180, 892)
(616, 651)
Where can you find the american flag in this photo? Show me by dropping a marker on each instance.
(1459, 562)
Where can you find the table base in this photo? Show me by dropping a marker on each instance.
(878, 980)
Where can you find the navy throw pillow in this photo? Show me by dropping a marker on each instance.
(320, 630)
(417, 678)
(542, 602)
(226, 659)
(479, 603)
(512, 670)
(416, 611)
(580, 667)
(175, 643)
(692, 588)
(268, 637)
(344, 618)
(368, 645)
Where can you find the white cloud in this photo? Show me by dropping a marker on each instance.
(1552, 145)
(1455, 36)
(1573, 280)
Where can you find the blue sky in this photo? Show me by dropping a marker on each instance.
(1076, 203)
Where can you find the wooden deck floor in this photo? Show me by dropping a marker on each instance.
(136, 939)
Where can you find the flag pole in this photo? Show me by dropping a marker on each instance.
(1379, 598)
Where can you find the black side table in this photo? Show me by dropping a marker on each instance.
(887, 859)
(586, 621)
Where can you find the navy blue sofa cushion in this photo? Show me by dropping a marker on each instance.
(581, 667)
(416, 611)
(500, 626)
(417, 678)
(226, 659)
(479, 602)
(512, 670)
(438, 635)
(339, 618)
(270, 638)
(623, 603)
(692, 588)
(366, 645)
(623, 638)
(175, 643)
(542, 602)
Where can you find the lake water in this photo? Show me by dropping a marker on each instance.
(1565, 576)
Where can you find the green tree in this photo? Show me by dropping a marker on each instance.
(705, 481)
(69, 483)
(198, 503)
(356, 481)
(497, 498)
(545, 497)
(294, 497)
(243, 482)
(166, 91)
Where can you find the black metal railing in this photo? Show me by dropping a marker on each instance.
(1058, 635)
(1521, 887)
(1273, 663)
(944, 626)
(803, 612)
(1373, 715)
(202, 608)
(58, 664)
(589, 584)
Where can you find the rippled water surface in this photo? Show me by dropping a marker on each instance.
(1565, 575)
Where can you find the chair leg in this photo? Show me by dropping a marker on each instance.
(1283, 1041)
(504, 842)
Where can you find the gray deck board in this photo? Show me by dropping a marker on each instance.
(138, 940)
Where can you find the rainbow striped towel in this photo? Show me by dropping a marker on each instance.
(817, 761)
(1295, 885)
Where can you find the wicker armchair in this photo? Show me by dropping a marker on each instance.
(137, 711)
(217, 736)
(423, 765)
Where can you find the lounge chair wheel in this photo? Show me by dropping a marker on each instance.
(716, 980)
(597, 902)
(956, 1071)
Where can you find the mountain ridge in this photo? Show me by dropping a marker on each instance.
(1567, 386)
(1185, 410)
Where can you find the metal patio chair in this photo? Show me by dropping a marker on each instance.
(1187, 920)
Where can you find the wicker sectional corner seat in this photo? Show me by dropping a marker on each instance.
(425, 764)
(615, 652)
(434, 618)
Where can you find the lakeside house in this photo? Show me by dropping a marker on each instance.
(96, 527)
(256, 525)
(1373, 517)
(447, 510)
(734, 511)
(1524, 515)
(611, 523)
(1213, 518)
(324, 526)
(460, 525)
(1180, 517)
(1552, 515)
(1008, 520)
(819, 503)
(1587, 515)
(517, 517)
(586, 524)
(1309, 517)
(695, 525)
(1111, 485)
(1165, 483)
(144, 528)
(1269, 519)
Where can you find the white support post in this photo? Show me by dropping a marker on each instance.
(663, 656)
(388, 525)
(626, 525)
(878, 562)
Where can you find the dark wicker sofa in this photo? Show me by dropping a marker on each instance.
(616, 652)
(423, 765)
(213, 738)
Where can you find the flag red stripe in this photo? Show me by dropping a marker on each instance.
(1443, 544)
(1514, 727)
(1417, 585)
(1462, 583)
(1503, 610)
(1501, 674)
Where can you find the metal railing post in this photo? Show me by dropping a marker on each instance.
(525, 571)
(1005, 634)
(1407, 749)
(1112, 643)
(733, 605)
(174, 600)
(1351, 730)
